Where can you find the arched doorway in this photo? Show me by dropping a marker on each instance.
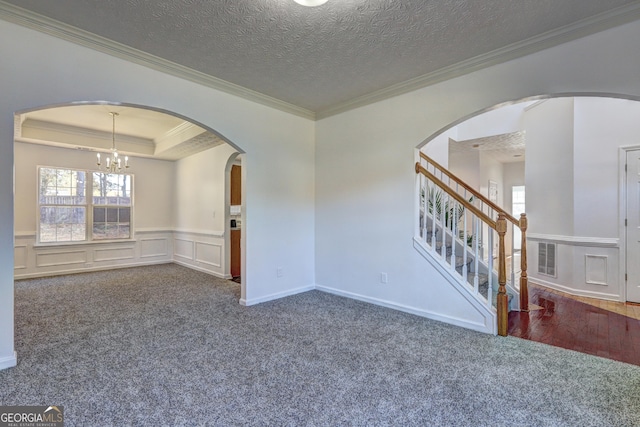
(579, 194)
(177, 209)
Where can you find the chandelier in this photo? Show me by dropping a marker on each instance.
(114, 162)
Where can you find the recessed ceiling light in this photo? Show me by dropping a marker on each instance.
(311, 3)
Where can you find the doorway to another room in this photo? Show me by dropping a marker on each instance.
(235, 220)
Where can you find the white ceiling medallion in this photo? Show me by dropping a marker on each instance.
(311, 3)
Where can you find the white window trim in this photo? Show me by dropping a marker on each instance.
(89, 240)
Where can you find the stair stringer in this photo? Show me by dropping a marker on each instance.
(489, 313)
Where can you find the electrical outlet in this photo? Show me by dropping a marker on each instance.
(383, 278)
(279, 272)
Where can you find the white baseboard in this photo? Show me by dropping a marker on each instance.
(577, 292)
(489, 329)
(203, 270)
(278, 295)
(88, 269)
(9, 362)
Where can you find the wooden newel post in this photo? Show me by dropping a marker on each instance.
(524, 280)
(503, 300)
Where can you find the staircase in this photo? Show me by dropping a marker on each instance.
(472, 241)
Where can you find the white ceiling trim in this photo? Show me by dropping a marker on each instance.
(549, 39)
(585, 27)
(75, 35)
(177, 136)
(51, 127)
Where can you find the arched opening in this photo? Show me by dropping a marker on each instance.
(571, 160)
(175, 210)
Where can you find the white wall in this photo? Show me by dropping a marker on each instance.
(200, 211)
(279, 160)
(200, 190)
(505, 119)
(153, 192)
(466, 166)
(549, 179)
(438, 148)
(591, 251)
(365, 180)
(491, 170)
(602, 126)
(513, 176)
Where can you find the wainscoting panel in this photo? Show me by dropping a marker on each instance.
(113, 254)
(596, 269)
(20, 257)
(183, 248)
(61, 258)
(154, 247)
(201, 250)
(585, 266)
(33, 260)
(209, 253)
(194, 249)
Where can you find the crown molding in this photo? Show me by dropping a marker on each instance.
(40, 23)
(583, 28)
(51, 127)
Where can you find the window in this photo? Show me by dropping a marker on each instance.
(111, 206)
(68, 215)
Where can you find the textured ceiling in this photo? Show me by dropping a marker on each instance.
(321, 57)
(505, 148)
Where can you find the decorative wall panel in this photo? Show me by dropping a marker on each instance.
(154, 247)
(209, 253)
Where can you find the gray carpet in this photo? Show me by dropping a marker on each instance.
(168, 346)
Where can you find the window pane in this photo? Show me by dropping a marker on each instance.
(63, 215)
(64, 191)
(99, 231)
(111, 188)
(112, 214)
(99, 215)
(63, 232)
(47, 232)
(124, 215)
(123, 231)
(111, 231)
(78, 232)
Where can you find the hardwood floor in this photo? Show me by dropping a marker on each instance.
(602, 328)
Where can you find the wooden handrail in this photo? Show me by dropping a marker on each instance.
(483, 216)
(473, 191)
(500, 226)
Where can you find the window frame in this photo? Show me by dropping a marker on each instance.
(89, 206)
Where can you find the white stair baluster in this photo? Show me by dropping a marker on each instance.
(490, 264)
(453, 218)
(513, 257)
(476, 254)
(464, 247)
(423, 207)
(443, 223)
